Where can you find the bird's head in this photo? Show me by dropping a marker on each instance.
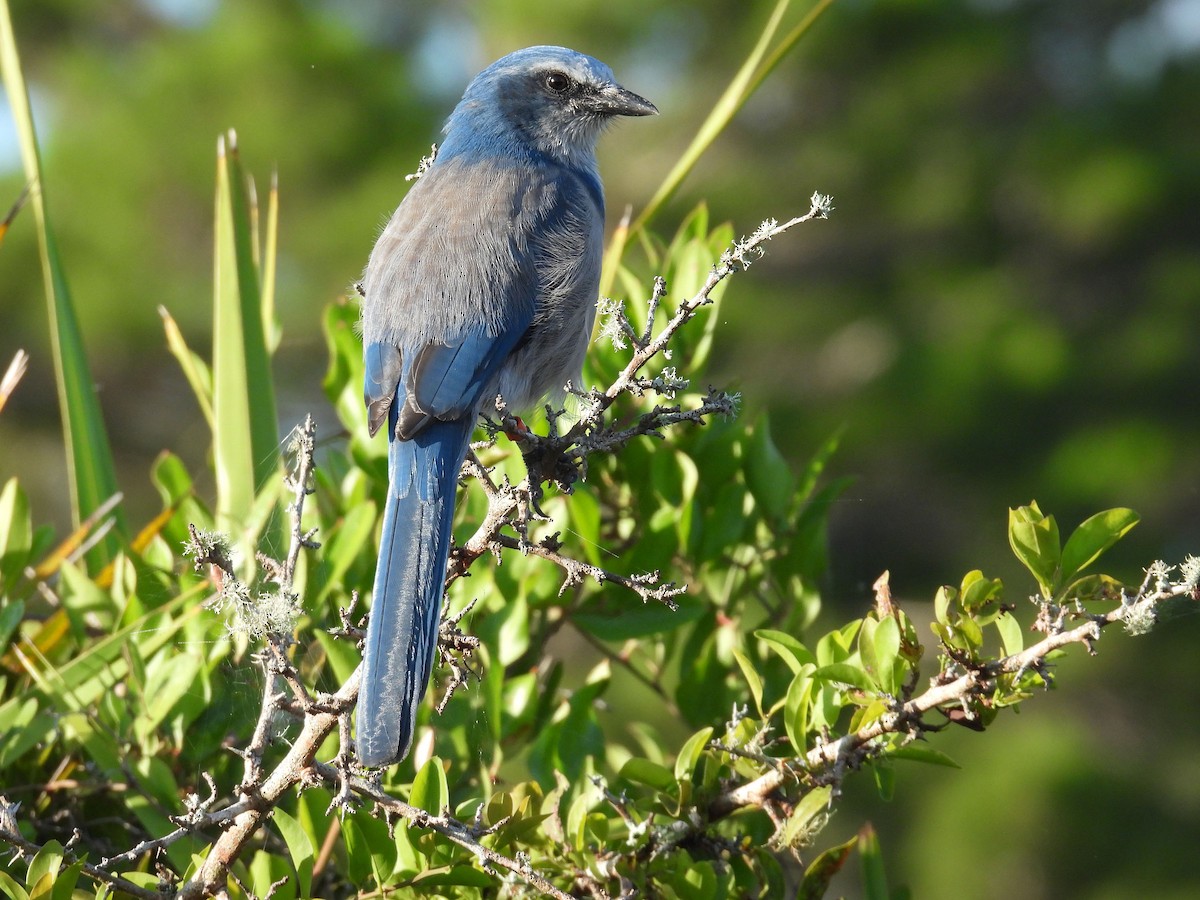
(553, 100)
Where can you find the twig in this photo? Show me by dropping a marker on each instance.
(645, 585)
(945, 693)
(448, 827)
(96, 873)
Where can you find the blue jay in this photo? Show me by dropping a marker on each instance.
(483, 283)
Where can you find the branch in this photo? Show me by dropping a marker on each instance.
(320, 715)
(296, 767)
(447, 826)
(562, 458)
(508, 507)
(948, 691)
(737, 258)
(10, 836)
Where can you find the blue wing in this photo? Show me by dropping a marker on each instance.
(452, 289)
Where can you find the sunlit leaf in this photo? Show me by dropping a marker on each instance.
(807, 817)
(246, 434)
(429, 790)
(1095, 535)
(300, 847)
(90, 468)
(690, 752)
(1034, 539)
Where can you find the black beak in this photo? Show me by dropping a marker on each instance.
(614, 100)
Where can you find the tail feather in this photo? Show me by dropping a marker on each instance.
(409, 580)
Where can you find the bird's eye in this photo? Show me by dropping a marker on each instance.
(557, 83)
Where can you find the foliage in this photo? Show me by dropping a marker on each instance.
(122, 694)
(128, 687)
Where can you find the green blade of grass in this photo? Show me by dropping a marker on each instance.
(726, 108)
(245, 435)
(748, 79)
(195, 370)
(91, 473)
(270, 251)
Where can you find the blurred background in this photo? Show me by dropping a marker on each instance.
(1004, 306)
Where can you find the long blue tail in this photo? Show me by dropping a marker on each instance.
(411, 574)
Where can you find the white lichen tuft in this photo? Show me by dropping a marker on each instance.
(256, 616)
(1159, 573)
(1189, 572)
(424, 164)
(1139, 618)
(822, 203)
(668, 383)
(612, 321)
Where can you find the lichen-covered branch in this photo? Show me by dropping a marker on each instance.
(953, 689)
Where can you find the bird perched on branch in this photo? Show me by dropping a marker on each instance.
(483, 283)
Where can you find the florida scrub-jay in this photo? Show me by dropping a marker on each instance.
(483, 283)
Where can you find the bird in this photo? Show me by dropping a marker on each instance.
(483, 283)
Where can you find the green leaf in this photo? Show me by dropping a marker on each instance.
(794, 653)
(16, 536)
(90, 470)
(690, 752)
(818, 875)
(10, 617)
(87, 675)
(866, 649)
(300, 848)
(970, 632)
(22, 728)
(945, 596)
(887, 650)
(467, 876)
(584, 512)
(169, 678)
(723, 522)
(808, 816)
(11, 887)
(643, 771)
(265, 869)
(246, 436)
(845, 673)
(171, 478)
(920, 752)
(977, 591)
(1034, 539)
(358, 849)
(768, 475)
(429, 790)
(809, 542)
(753, 679)
(346, 542)
(45, 864)
(195, 370)
(812, 473)
(797, 709)
(64, 884)
(874, 879)
(761, 60)
(513, 636)
(1012, 639)
(885, 779)
(343, 658)
(625, 622)
(1093, 537)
